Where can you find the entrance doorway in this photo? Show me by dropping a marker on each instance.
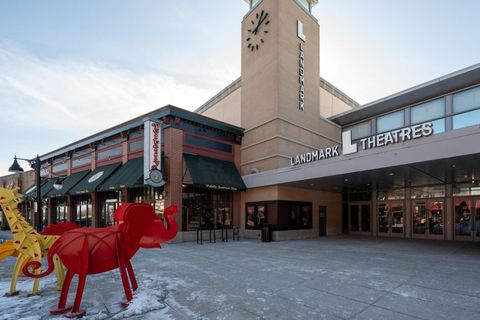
(391, 219)
(428, 219)
(109, 202)
(359, 218)
(467, 218)
(322, 211)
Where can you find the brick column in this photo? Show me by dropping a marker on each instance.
(95, 210)
(124, 151)
(237, 196)
(69, 208)
(173, 148)
(50, 211)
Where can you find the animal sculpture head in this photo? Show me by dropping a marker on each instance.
(7, 195)
(157, 233)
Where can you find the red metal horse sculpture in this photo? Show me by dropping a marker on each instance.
(98, 250)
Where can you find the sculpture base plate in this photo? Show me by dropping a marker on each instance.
(57, 311)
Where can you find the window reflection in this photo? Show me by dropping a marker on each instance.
(383, 225)
(466, 119)
(463, 219)
(390, 121)
(435, 222)
(397, 218)
(419, 218)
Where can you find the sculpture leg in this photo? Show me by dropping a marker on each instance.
(131, 275)
(36, 282)
(60, 272)
(126, 284)
(61, 309)
(76, 312)
(82, 277)
(16, 270)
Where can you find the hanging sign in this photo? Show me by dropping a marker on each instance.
(152, 168)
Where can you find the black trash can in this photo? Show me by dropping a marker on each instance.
(266, 233)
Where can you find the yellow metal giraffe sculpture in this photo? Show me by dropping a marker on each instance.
(28, 244)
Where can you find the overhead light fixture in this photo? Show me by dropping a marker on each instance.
(15, 167)
(345, 179)
(391, 174)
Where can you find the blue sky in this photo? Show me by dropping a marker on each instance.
(71, 68)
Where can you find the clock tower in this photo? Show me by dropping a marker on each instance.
(280, 97)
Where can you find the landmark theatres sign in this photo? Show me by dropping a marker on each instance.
(379, 140)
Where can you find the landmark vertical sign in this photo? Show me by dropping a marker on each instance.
(301, 66)
(152, 156)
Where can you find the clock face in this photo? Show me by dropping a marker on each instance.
(156, 176)
(257, 31)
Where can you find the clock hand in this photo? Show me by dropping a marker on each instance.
(259, 22)
(262, 19)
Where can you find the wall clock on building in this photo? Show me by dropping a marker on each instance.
(258, 30)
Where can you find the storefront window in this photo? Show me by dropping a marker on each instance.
(300, 217)
(463, 217)
(61, 209)
(397, 218)
(207, 208)
(390, 121)
(83, 210)
(383, 224)
(477, 217)
(354, 218)
(150, 195)
(109, 202)
(435, 220)
(256, 216)
(419, 217)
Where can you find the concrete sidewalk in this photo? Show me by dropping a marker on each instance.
(331, 278)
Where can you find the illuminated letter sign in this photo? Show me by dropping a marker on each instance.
(152, 156)
(380, 140)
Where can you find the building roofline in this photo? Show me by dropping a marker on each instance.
(167, 110)
(338, 93)
(220, 96)
(448, 83)
(225, 92)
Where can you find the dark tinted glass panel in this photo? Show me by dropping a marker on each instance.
(382, 218)
(204, 143)
(354, 221)
(419, 218)
(365, 218)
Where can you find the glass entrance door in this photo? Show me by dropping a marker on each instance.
(467, 218)
(391, 219)
(428, 219)
(359, 218)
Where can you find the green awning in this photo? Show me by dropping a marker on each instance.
(46, 187)
(31, 192)
(67, 184)
(129, 175)
(213, 173)
(94, 179)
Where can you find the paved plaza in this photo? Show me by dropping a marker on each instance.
(331, 278)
